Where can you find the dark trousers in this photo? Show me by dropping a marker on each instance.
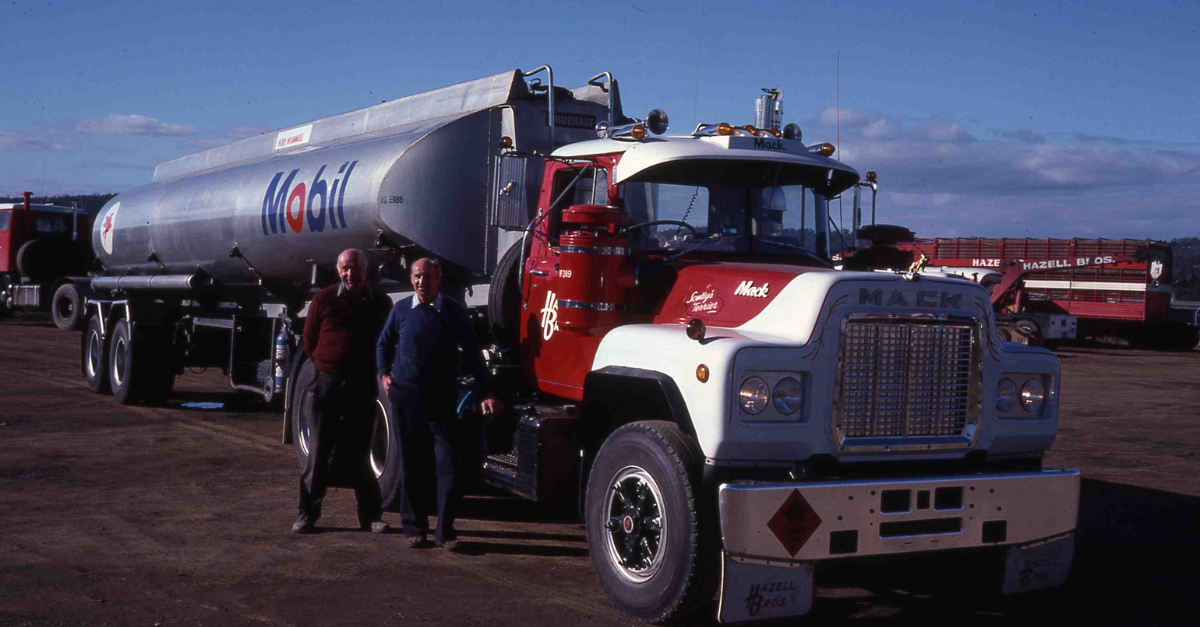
(428, 441)
(339, 440)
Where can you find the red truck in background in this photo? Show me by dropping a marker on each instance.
(40, 248)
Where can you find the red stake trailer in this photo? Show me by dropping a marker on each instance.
(1051, 289)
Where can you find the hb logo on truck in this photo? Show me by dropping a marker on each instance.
(285, 207)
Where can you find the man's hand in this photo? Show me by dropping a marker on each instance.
(386, 381)
(491, 406)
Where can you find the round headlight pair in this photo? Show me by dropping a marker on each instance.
(755, 394)
(1032, 395)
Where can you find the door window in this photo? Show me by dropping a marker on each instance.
(4, 220)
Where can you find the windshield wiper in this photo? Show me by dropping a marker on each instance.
(800, 249)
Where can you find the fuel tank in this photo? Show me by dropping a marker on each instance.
(416, 171)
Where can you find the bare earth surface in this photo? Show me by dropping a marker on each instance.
(114, 515)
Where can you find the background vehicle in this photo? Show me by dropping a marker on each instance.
(1128, 298)
(661, 314)
(40, 247)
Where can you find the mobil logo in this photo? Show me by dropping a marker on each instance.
(289, 203)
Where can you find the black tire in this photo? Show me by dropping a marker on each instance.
(504, 301)
(137, 368)
(67, 308)
(652, 556)
(93, 353)
(302, 411)
(385, 452)
(385, 460)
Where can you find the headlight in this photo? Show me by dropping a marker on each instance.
(754, 395)
(788, 396)
(1006, 396)
(1032, 395)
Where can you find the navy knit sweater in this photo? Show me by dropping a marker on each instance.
(419, 346)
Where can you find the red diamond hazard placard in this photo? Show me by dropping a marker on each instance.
(794, 523)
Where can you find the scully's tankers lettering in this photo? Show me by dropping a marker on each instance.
(660, 311)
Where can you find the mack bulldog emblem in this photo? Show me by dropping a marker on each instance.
(899, 298)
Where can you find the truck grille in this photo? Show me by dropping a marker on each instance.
(906, 379)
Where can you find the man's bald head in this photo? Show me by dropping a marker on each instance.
(426, 277)
(352, 269)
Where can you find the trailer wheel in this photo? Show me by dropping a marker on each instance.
(94, 354)
(302, 411)
(66, 308)
(645, 523)
(385, 451)
(133, 372)
(504, 303)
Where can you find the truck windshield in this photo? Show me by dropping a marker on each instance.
(786, 220)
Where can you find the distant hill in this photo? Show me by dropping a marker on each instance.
(91, 202)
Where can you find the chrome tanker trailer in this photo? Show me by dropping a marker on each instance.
(680, 359)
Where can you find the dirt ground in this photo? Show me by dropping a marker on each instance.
(114, 515)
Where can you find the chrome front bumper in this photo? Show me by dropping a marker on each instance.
(805, 521)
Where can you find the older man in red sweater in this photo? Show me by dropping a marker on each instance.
(343, 323)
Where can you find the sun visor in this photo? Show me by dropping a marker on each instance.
(753, 161)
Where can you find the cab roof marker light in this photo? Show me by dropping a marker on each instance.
(824, 149)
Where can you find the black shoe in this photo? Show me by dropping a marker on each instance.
(378, 527)
(302, 526)
(452, 546)
(415, 542)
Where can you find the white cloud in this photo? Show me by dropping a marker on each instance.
(24, 141)
(132, 124)
(940, 180)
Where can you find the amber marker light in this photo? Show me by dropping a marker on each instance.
(776, 132)
(871, 176)
(749, 128)
(724, 129)
(702, 373)
(506, 142)
(696, 329)
(825, 149)
(638, 132)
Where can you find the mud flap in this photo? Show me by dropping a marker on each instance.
(756, 591)
(1038, 565)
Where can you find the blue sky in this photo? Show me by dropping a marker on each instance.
(1058, 118)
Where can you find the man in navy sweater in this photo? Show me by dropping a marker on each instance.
(417, 362)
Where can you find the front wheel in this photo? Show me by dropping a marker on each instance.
(645, 523)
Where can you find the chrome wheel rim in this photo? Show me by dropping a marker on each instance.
(635, 529)
(119, 362)
(380, 442)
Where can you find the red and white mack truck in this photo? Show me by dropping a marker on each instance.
(41, 248)
(679, 357)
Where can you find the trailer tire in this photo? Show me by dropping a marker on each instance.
(93, 352)
(504, 301)
(385, 452)
(302, 411)
(66, 308)
(647, 528)
(123, 373)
